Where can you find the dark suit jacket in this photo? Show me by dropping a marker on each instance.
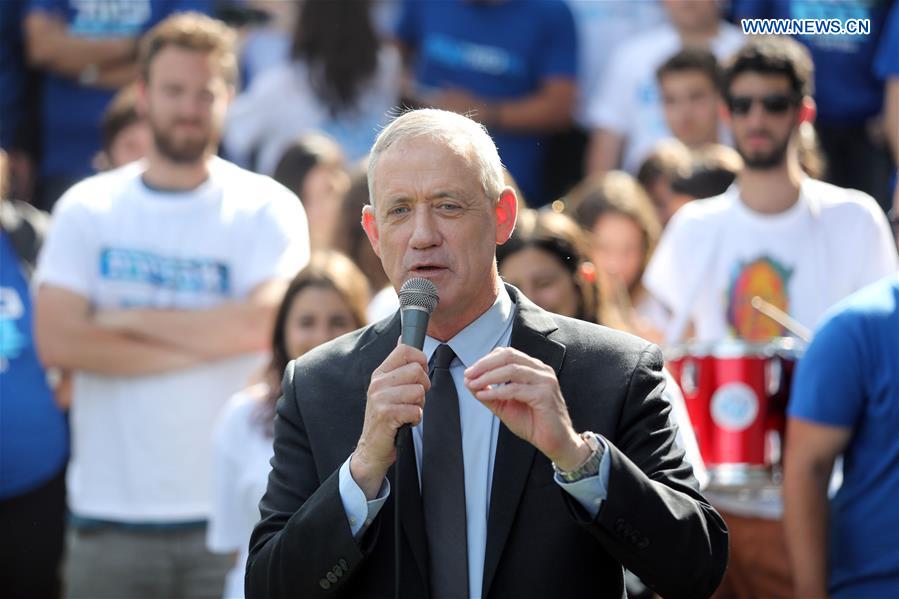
(540, 542)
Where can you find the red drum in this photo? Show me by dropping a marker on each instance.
(736, 395)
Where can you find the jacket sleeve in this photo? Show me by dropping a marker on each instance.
(653, 520)
(302, 546)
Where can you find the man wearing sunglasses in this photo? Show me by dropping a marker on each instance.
(800, 244)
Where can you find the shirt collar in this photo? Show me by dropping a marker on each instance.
(482, 335)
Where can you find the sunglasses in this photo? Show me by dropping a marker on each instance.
(772, 103)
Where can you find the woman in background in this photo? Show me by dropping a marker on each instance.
(313, 168)
(623, 229)
(546, 258)
(342, 80)
(325, 300)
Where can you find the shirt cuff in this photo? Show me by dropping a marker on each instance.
(590, 492)
(359, 512)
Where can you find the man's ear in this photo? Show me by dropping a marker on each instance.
(506, 214)
(370, 225)
(808, 110)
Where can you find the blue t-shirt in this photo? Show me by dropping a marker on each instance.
(849, 377)
(886, 63)
(12, 69)
(34, 438)
(71, 113)
(846, 90)
(497, 51)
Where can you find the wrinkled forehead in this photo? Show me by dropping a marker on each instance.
(406, 156)
(458, 146)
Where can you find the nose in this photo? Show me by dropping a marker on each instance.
(190, 107)
(756, 117)
(425, 233)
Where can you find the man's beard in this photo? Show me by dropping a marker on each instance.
(184, 151)
(773, 159)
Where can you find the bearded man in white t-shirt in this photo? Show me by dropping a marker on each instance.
(157, 286)
(800, 244)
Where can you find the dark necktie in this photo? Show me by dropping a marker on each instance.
(443, 483)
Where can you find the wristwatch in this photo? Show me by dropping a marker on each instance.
(590, 466)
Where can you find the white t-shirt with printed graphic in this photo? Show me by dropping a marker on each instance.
(141, 445)
(629, 102)
(716, 254)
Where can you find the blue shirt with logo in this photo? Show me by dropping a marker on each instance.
(34, 438)
(846, 90)
(849, 377)
(71, 113)
(497, 51)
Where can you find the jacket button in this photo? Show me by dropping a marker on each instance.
(324, 584)
(643, 543)
(331, 577)
(343, 564)
(337, 570)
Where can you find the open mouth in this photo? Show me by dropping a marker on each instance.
(427, 269)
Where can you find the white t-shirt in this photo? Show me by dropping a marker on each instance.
(141, 445)
(280, 106)
(629, 102)
(602, 27)
(383, 305)
(716, 254)
(241, 464)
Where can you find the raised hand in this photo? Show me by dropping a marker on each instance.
(524, 393)
(396, 396)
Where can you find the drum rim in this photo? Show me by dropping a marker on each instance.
(736, 348)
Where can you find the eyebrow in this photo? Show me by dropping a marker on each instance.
(437, 195)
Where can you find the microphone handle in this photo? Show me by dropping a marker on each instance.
(415, 326)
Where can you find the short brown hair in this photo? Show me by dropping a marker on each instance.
(712, 170)
(773, 55)
(691, 59)
(670, 158)
(190, 31)
(120, 114)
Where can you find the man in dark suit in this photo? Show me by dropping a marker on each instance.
(556, 463)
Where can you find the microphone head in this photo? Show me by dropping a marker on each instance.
(419, 293)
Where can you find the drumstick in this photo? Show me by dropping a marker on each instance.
(781, 318)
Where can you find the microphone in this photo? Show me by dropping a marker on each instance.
(418, 298)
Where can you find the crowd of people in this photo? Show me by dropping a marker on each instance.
(181, 188)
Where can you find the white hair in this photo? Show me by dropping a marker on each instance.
(465, 137)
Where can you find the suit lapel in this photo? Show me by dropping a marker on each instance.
(514, 456)
(412, 515)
